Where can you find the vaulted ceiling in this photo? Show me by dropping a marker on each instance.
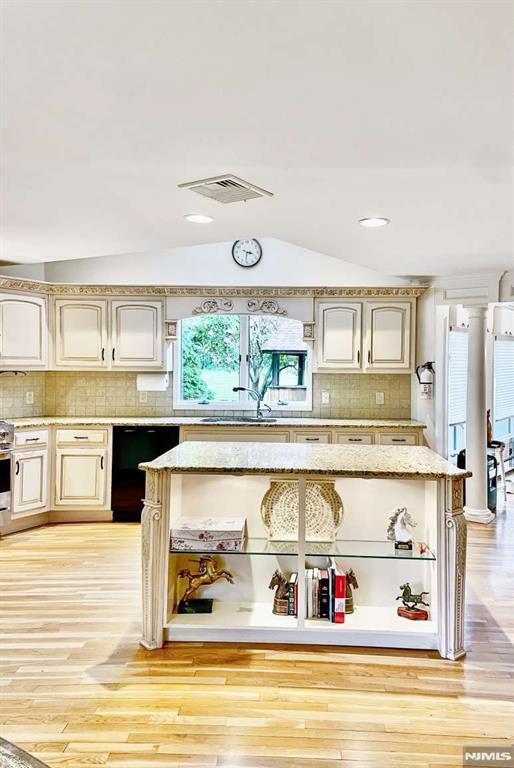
(341, 109)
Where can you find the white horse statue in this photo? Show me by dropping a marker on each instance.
(397, 529)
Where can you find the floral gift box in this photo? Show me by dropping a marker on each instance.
(208, 534)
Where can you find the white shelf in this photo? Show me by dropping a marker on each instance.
(255, 622)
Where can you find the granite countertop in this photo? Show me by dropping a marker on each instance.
(291, 421)
(414, 462)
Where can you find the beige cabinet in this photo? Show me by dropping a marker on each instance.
(81, 333)
(339, 335)
(136, 334)
(23, 331)
(388, 333)
(353, 438)
(398, 438)
(30, 482)
(81, 477)
(235, 435)
(311, 436)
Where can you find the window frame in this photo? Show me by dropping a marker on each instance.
(246, 402)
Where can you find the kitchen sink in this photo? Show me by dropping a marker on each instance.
(228, 419)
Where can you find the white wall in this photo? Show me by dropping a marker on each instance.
(424, 410)
(282, 264)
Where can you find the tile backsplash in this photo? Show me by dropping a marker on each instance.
(74, 393)
(13, 394)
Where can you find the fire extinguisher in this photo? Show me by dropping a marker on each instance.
(425, 374)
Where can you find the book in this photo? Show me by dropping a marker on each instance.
(291, 595)
(323, 594)
(339, 595)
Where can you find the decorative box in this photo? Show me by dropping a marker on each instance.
(209, 534)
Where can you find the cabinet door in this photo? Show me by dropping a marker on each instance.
(80, 477)
(30, 482)
(80, 333)
(339, 335)
(137, 334)
(23, 331)
(388, 335)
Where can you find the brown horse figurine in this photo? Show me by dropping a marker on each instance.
(207, 574)
(351, 581)
(280, 600)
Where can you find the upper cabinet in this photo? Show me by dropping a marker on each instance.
(136, 334)
(388, 335)
(365, 336)
(108, 334)
(80, 333)
(23, 331)
(339, 335)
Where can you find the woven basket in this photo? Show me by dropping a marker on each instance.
(323, 510)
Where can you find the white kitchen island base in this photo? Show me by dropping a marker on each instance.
(225, 478)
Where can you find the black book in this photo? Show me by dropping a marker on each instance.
(291, 594)
(324, 594)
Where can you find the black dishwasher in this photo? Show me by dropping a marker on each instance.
(131, 446)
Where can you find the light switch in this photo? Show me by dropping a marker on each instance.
(29, 397)
(379, 398)
(325, 397)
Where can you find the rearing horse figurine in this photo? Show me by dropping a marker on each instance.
(207, 574)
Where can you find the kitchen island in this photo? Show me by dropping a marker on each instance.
(220, 479)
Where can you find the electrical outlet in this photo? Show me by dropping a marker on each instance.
(29, 397)
(325, 397)
(143, 397)
(379, 398)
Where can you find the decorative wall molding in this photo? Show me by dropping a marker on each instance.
(266, 306)
(308, 331)
(171, 330)
(377, 292)
(211, 306)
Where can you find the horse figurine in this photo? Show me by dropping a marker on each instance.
(397, 529)
(410, 600)
(280, 601)
(207, 574)
(351, 581)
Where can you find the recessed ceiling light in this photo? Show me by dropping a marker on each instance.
(374, 222)
(198, 218)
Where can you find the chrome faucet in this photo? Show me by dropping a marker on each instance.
(258, 399)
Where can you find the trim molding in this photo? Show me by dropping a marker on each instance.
(71, 289)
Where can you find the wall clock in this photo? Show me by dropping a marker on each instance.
(247, 253)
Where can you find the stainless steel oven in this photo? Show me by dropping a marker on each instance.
(6, 446)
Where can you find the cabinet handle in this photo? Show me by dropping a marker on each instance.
(17, 468)
(32, 439)
(80, 437)
(358, 356)
(113, 351)
(355, 439)
(369, 355)
(397, 439)
(312, 439)
(101, 462)
(103, 353)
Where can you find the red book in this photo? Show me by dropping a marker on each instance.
(339, 596)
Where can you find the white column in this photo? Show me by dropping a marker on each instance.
(476, 420)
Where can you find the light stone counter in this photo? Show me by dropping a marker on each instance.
(95, 421)
(378, 461)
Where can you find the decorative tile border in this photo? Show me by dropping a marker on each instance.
(17, 284)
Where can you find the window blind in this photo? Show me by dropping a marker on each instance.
(457, 376)
(503, 379)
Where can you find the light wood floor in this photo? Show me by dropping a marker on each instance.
(79, 691)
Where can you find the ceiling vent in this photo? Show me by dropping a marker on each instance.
(226, 189)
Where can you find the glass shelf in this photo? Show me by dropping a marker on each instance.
(342, 548)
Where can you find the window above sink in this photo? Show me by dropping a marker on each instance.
(215, 353)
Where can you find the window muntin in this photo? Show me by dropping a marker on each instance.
(262, 352)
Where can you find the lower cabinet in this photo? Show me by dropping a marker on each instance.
(30, 486)
(81, 477)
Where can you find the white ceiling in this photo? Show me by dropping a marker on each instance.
(342, 109)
